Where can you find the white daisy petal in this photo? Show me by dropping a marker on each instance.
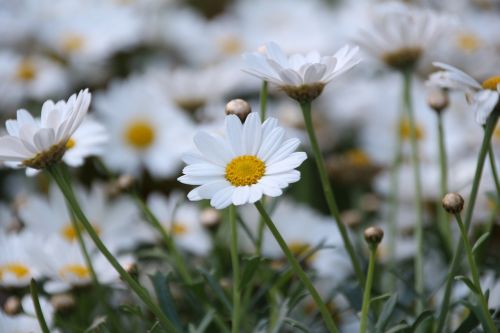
(223, 198)
(289, 163)
(252, 131)
(212, 148)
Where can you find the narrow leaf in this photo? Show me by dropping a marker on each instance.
(480, 241)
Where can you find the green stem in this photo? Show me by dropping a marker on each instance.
(328, 192)
(419, 228)
(443, 222)
(488, 133)
(142, 293)
(368, 288)
(263, 111)
(236, 270)
(327, 317)
(38, 308)
(494, 172)
(489, 326)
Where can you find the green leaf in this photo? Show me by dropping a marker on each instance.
(421, 318)
(470, 323)
(387, 311)
(207, 319)
(249, 270)
(480, 241)
(160, 283)
(217, 289)
(476, 308)
(297, 325)
(98, 325)
(468, 283)
(402, 327)
(380, 298)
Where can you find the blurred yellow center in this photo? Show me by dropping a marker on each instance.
(468, 42)
(140, 134)
(496, 132)
(17, 269)
(245, 170)
(405, 130)
(72, 43)
(69, 232)
(26, 70)
(358, 157)
(77, 270)
(230, 45)
(70, 144)
(298, 248)
(178, 228)
(491, 83)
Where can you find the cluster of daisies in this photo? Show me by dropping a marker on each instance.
(161, 73)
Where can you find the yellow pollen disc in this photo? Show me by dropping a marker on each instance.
(468, 42)
(140, 134)
(404, 130)
(358, 157)
(231, 45)
(26, 71)
(178, 228)
(72, 43)
(496, 132)
(70, 144)
(298, 248)
(69, 233)
(17, 269)
(78, 270)
(245, 170)
(491, 83)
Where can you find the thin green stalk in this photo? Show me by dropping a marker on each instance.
(490, 326)
(443, 221)
(66, 189)
(494, 172)
(263, 112)
(419, 228)
(38, 308)
(327, 317)
(488, 133)
(368, 288)
(236, 270)
(328, 192)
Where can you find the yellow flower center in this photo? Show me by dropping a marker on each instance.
(77, 270)
(245, 170)
(72, 43)
(178, 228)
(17, 269)
(26, 71)
(491, 83)
(140, 134)
(298, 248)
(70, 144)
(405, 131)
(230, 45)
(496, 132)
(69, 232)
(468, 42)
(358, 157)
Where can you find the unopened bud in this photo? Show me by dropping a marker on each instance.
(370, 203)
(210, 217)
(238, 107)
(351, 218)
(438, 100)
(132, 269)
(63, 302)
(123, 183)
(373, 235)
(12, 305)
(453, 203)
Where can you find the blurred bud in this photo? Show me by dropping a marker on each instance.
(226, 283)
(438, 100)
(277, 264)
(63, 302)
(12, 305)
(132, 269)
(238, 107)
(453, 203)
(352, 218)
(123, 183)
(370, 203)
(373, 235)
(210, 217)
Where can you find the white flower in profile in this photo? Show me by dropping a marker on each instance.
(37, 144)
(89, 139)
(302, 77)
(399, 34)
(252, 160)
(483, 97)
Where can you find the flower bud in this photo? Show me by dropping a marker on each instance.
(438, 100)
(63, 302)
(123, 183)
(453, 203)
(373, 235)
(352, 218)
(238, 107)
(210, 217)
(12, 305)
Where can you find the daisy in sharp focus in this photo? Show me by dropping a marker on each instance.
(37, 144)
(252, 160)
(483, 97)
(302, 77)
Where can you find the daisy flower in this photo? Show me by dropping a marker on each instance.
(37, 144)
(88, 140)
(302, 77)
(252, 160)
(483, 97)
(27, 321)
(400, 34)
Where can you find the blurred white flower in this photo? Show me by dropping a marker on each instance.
(182, 221)
(17, 265)
(145, 130)
(27, 321)
(89, 139)
(483, 97)
(302, 77)
(252, 160)
(36, 144)
(117, 222)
